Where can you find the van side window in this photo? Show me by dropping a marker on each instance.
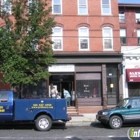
(135, 103)
(3, 96)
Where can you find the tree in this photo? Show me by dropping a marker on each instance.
(25, 43)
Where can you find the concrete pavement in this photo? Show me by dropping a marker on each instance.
(82, 120)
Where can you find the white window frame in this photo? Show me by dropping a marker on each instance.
(57, 36)
(3, 7)
(138, 36)
(83, 36)
(109, 8)
(122, 17)
(56, 4)
(137, 16)
(123, 35)
(107, 37)
(83, 6)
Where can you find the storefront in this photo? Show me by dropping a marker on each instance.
(88, 78)
(131, 71)
(133, 80)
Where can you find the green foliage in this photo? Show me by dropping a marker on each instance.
(25, 44)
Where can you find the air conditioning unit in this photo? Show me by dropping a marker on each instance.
(138, 20)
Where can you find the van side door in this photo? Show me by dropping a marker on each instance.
(5, 106)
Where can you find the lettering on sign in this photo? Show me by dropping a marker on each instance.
(86, 88)
(134, 74)
(38, 106)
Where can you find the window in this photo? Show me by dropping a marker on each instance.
(6, 6)
(82, 7)
(57, 6)
(83, 38)
(123, 36)
(107, 38)
(137, 15)
(106, 7)
(121, 17)
(32, 5)
(57, 38)
(33, 42)
(138, 36)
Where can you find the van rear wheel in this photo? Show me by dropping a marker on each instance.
(43, 123)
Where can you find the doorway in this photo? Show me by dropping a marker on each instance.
(63, 81)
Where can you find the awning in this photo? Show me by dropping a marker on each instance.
(133, 75)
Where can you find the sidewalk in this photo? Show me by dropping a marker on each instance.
(82, 120)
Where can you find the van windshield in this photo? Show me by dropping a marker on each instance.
(123, 103)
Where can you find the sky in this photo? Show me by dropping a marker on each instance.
(129, 1)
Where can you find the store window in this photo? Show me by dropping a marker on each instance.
(133, 89)
(32, 92)
(88, 85)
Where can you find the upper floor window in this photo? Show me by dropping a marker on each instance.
(82, 7)
(123, 36)
(137, 15)
(106, 7)
(83, 38)
(121, 17)
(6, 6)
(34, 41)
(57, 6)
(107, 38)
(32, 6)
(57, 38)
(138, 36)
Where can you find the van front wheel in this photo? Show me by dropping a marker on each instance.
(115, 122)
(43, 123)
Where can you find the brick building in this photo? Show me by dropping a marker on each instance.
(129, 18)
(88, 52)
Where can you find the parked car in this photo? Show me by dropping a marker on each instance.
(126, 111)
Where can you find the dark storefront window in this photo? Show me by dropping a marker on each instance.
(134, 89)
(112, 85)
(87, 86)
(31, 91)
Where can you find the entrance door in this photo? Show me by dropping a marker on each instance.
(63, 81)
(112, 85)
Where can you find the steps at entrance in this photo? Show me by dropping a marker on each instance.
(72, 111)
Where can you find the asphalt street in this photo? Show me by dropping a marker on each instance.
(60, 131)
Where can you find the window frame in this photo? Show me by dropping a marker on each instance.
(53, 4)
(109, 38)
(81, 6)
(138, 36)
(109, 13)
(122, 17)
(137, 16)
(123, 36)
(57, 37)
(83, 37)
